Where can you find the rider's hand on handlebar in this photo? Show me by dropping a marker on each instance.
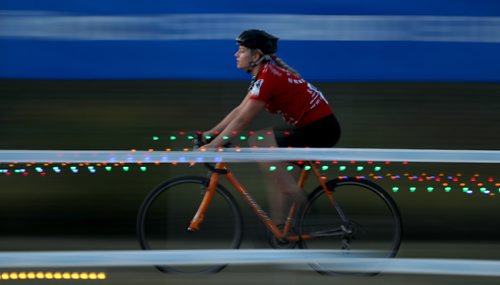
(199, 141)
(202, 141)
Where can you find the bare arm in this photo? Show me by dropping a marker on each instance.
(222, 124)
(247, 111)
(229, 117)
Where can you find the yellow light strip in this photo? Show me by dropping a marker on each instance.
(52, 275)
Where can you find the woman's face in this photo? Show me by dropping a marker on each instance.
(243, 57)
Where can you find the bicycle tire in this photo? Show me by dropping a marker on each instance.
(371, 227)
(167, 211)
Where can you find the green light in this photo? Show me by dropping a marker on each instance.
(126, 168)
(395, 189)
(173, 138)
(430, 189)
(307, 167)
(465, 189)
(324, 167)
(377, 168)
(289, 168)
(272, 168)
(360, 168)
(342, 168)
(260, 138)
(413, 189)
(447, 189)
(190, 137)
(155, 138)
(208, 137)
(108, 168)
(225, 137)
(243, 138)
(143, 168)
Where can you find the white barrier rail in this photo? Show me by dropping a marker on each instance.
(250, 155)
(336, 259)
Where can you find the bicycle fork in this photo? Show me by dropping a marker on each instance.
(198, 218)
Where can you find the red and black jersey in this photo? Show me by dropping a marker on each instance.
(299, 102)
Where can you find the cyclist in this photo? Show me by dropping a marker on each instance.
(279, 89)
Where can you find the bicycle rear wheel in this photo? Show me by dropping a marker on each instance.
(166, 212)
(361, 221)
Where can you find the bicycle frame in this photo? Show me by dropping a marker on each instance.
(221, 169)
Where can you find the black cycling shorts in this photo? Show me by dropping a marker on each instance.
(324, 132)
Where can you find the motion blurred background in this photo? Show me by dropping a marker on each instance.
(123, 75)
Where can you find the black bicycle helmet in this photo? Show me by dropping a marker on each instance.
(258, 39)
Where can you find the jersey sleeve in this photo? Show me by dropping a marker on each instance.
(262, 88)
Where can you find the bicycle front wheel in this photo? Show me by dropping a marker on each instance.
(167, 211)
(359, 219)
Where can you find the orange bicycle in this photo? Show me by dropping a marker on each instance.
(194, 212)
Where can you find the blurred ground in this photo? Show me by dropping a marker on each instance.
(267, 274)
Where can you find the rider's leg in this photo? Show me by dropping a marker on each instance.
(282, 185)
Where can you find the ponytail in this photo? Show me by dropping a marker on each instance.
(283, 65)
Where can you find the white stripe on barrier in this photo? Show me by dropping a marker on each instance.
(250, 155)
(336, 260)
(206, 26)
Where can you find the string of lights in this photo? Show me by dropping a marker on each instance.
(399, 172)
(48, 275)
